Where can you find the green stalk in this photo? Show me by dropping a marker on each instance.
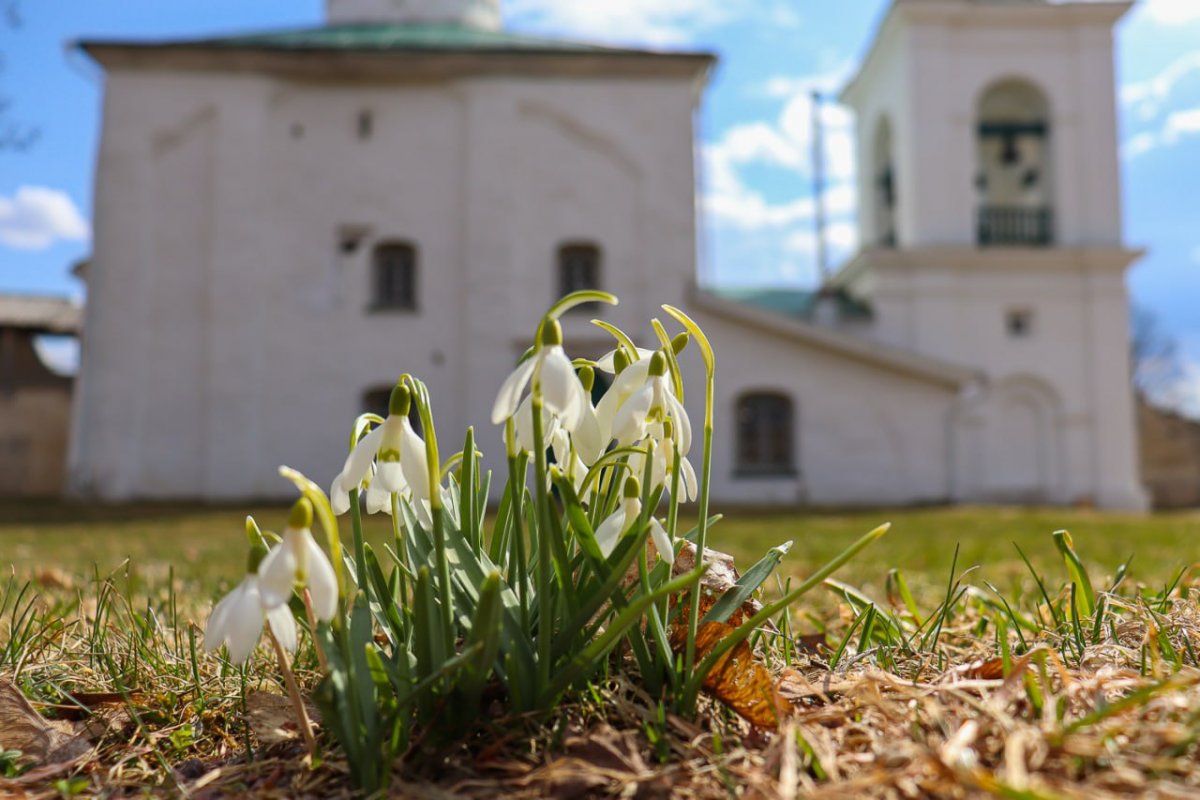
(689, 657)
(544, 575)
(401, 548)
(360, 561)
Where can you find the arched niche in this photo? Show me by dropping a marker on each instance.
(1013, 177)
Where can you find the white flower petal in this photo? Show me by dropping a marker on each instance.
(413, 461)
(629, 425)
(605, 362)
(561, 390)
(691, 487)
(389, 477)
(589, 440)
(662, 542)
(682, 423)
(355, 469)
(610, 531)
(277, 576)
(245, 623)
(510, 391)
(322, 582)
(218, 621)
(378, 499)
(283, 625)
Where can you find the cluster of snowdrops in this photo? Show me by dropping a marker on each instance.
(532, 600)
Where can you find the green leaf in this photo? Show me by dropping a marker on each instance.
(578, 299)
(746, 585)
(1086, 595)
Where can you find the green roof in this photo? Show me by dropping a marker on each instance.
(799, 303)
(400, 38)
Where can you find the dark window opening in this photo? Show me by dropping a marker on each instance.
(395, 277)
(1019, 323)
(764, 435)
(578, 268)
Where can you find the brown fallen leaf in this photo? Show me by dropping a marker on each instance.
(39, 740)
(272, 718)
(86, 701)
(737, 678)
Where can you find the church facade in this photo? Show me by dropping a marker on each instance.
(287, 221)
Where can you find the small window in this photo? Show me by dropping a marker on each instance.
(578, 268)
(764, 434)
(395, 277)
(1019, 323)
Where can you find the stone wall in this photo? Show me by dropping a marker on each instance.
(1170, 457)
(35, 418)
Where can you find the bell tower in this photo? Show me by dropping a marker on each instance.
(990, 223)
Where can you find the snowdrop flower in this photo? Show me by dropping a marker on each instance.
(569, 462)
(298, 559)
(608, 361)
(562, 393)
(652, 403)
(621, 520)
(399, 457)
(237, 621)
(664, 463)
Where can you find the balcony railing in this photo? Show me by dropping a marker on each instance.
(1013, 225)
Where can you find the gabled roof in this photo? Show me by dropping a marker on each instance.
(799, 303)
(388, 39)
(867, 351)
(40, 314)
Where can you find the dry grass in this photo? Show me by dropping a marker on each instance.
(954, 694)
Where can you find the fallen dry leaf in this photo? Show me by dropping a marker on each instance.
(272, 718)
(38, 739)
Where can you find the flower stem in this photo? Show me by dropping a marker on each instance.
(312, 627)
(360, 560)
(544, 598)
(310, 741)
(689, 657)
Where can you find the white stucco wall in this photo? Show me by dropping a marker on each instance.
(225, 334)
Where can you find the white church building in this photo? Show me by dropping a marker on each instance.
(287, 221)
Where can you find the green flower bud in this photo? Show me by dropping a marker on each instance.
(587, 376)
(301, 516)
(668, 428)
(658, 364)
(620, 360)
(680, 341)
(258, 551)
(551, 333)
(400, 401)
(632, 488)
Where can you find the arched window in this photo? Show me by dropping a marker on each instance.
(578, 267)
(764, 434)
(1013, 177)
(885, 186)
(394, 277)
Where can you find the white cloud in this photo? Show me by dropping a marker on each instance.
(37, 217)
(1139, 144)
(1170, 12)
(1177, 126)
(1149, 95)
(840, 237)
(785, 143)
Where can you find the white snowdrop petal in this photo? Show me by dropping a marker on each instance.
(218, 621)
(589, 441)
(662, 541)
(283, 625)
(610, 531)
(245, 625)
(629, 425)
(277, 576)
(322, 582)
(378, 499)
(359, 460)
(339, 498)
(412, 460)
(690, 484)
(510, 391)
(389, 477)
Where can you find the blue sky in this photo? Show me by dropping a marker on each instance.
(755, 127)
